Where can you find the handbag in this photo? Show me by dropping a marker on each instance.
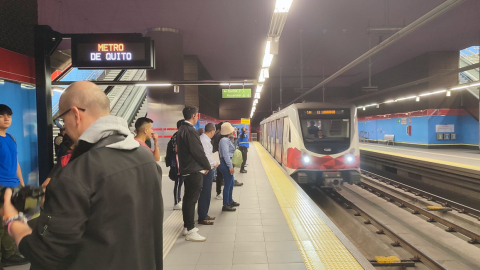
(237, 158)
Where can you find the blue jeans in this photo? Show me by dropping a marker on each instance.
(228, 180)
(205, 196)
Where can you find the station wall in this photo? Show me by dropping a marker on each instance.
(423, 128)
(24, 126)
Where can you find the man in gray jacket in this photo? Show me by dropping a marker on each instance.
(104, 209)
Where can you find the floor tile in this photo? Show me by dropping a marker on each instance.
(249, 216)
(253, 257)
(223, 258)
(278, 236)
(221, 238)
(287, 266)
(178, 267)
(214, 267)
(218, 247)
(249, 246)
(274, 221)
(272, 215)
(249, 222)
(250, 229)
(249, 237)
(181, 259)
(275, 228)
(281, 246)
(275, 257)
(222, 229)
(186, 247)
(250, 267)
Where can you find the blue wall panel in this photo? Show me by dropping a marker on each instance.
(24, 127)
(423, 129)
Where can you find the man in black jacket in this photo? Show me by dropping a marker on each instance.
(192, 164)
(104, 209)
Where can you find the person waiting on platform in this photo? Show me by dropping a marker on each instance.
(219, 179)
(200, 131)
(312, 129)
(100, 208)
(243, 147)
(144, 131)
(206, 193)
(171, 160)
(192, 164)
(10, 176)
(58, 140)
(320, 135)
(226, 150)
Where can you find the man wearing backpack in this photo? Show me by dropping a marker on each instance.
(10, 176)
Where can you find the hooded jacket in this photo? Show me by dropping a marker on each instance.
(191, 156)
(104, 209)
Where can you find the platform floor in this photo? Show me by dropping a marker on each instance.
(464, 158)
(276, 227)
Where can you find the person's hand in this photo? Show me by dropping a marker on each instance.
(8, 208)
(206, 172)
(218, 164)
(44, 185)
(155, 137)
(232, 170)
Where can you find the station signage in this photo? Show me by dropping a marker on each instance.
(112, 51)
(236, 93)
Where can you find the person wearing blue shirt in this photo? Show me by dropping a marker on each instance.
(243, 147)
(226, 150)
(10, 176)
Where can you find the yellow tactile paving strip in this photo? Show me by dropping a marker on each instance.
(319, 246)
(454, 164)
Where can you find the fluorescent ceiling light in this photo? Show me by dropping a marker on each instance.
(261, 78)
(267, 48)
(389, 101)
(266, 73)
(371, 105)
(224, 84)
(259, 88)
(417, 99)
(153, 84)
(267, 60)
(465, 86)
(282, 6)
(364, 108)
(27, 86)
(255, 101)
(449, 93)
(406, 98)
(257, 95)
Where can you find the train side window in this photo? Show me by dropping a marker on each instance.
(289, 134)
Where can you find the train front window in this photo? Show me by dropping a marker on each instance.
(326, 134)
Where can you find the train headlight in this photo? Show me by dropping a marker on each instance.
(306, 159)
(349, 159)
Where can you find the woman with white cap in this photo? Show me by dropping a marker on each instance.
(226, 150)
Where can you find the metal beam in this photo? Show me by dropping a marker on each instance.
(415, 82)
(439, 10)
(233, 84)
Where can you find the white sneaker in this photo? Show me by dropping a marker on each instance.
(185, 231)
(193, 236)
(219, 197)
(178, 206)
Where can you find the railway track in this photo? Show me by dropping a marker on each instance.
(422, 253)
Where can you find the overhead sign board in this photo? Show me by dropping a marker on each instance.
(245, 121)
(236, 93)
(112, 51)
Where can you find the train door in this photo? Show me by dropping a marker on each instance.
(272, 141)
(286, 140)
(279, 140)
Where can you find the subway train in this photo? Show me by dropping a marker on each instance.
(316, 143)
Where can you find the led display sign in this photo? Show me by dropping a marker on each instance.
(112, 51)
(323, 112)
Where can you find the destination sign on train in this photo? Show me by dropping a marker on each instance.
(112, 51)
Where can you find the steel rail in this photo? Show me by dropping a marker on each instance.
(429, 196)
(382, 229)
(451, 227)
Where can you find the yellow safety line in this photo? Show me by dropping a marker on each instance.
(454, 164)
(319, 246)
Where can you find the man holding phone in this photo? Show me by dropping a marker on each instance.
(144, 130)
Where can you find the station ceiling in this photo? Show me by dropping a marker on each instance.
(229, 36)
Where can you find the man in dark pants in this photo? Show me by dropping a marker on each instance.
(193, 164)
(219, 179)
(206, 193)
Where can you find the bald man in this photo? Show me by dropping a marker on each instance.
(104, 209)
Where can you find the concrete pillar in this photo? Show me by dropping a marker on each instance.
(191, 74)
(164, 106)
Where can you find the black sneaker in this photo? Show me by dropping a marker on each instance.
(243, 171)
(227, 208)
(238, 184)
(15, 259)
(234, 204)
